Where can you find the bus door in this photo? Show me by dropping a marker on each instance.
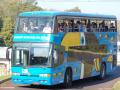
(21, 57)
(58, 58)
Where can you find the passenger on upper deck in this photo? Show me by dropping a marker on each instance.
(33, 27)
(102, 26)
(47, 28)
(67, 26)
(93, 27)
(106, 27)
(76, 26)
(25, 28)
(82, 27)
(60, 27)
(112, 27)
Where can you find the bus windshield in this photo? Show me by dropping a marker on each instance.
(35, 25)
(39, 56)
(21, 57)
(33, 56)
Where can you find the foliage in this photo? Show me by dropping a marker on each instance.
(9, 9)
(7, 29)
(75, 9)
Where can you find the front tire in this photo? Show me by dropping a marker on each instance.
(68, 79)
(102, 71)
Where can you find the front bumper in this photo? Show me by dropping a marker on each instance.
(25, 80)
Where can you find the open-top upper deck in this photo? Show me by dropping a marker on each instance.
(57, 13)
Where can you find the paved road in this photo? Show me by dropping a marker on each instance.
(85, 84)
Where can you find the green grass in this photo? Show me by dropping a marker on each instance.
(4, 77)
(116, 86)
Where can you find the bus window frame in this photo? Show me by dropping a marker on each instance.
(28, 47)
(69, 17)
(83, 17)
(18, 23)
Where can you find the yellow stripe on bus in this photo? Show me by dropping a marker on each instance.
(71, 39)
(97, 64)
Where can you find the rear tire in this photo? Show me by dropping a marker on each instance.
(102, 71)
(68, 79)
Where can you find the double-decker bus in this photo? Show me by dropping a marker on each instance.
(51, 47)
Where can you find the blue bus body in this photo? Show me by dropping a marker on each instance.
(83, 52)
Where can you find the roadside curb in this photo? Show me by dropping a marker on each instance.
(2, 81)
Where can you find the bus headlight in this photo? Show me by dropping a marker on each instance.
(16, 74)
(44, 75)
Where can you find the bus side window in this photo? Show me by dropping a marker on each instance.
(55, 58)
(106, 26)
(76, 25)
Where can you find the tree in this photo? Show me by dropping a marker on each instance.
(9, 9)
(1, 23)
(7, 29)
(75, 9)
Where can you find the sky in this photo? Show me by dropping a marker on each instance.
(107, 7)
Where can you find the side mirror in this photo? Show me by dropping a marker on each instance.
(8, 53)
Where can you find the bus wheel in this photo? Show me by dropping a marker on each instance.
(68, 79)
(102, 71)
